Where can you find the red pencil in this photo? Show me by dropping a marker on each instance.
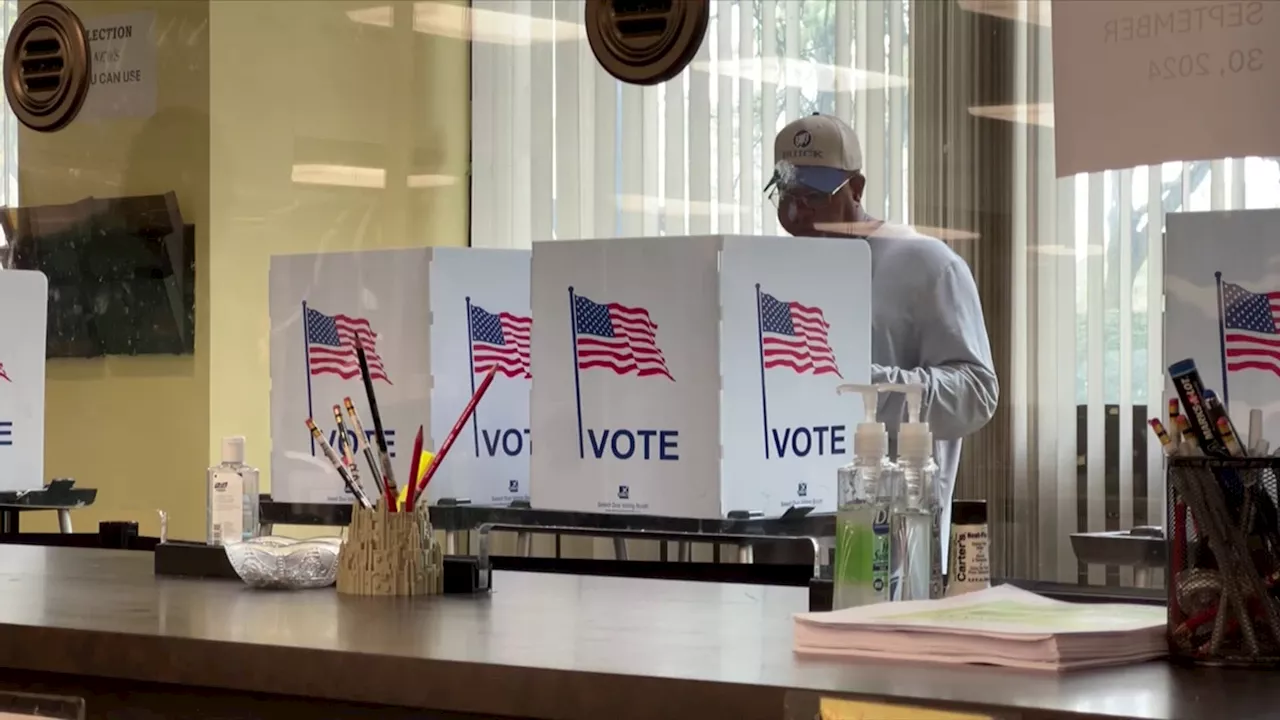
(415, 464)
(453, 434)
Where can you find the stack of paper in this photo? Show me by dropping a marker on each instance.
(999, 626)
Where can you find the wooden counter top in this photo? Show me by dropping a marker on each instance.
(541, 646)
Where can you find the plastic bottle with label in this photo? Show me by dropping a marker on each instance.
(915, 520)
(861, 572)
(232, 497)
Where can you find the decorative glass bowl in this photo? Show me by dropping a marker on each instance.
(284, 563)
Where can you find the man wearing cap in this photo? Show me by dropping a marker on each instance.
(927, 324)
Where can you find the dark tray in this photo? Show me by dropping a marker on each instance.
(197, 560)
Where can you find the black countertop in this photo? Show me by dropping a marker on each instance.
(541, 646)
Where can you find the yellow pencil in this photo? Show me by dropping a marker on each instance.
(1163, 436)
(1229, 438)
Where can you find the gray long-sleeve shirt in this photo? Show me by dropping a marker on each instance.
(927, 328)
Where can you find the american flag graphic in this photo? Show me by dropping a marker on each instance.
(500, 339)
(1251, 329)
(794, 336)
(3, 375)
(618, 338)
(331, 346)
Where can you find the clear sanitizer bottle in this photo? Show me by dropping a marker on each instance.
(861, 572)
(232, 502)
(916, 545)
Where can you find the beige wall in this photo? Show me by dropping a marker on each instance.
(300, 82)
(134, 427)
(247, 89)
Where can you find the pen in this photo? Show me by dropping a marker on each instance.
(1255, 432)
(453, 434)
(344, 445)
(336, 461)
(388, 475)
(362, 442)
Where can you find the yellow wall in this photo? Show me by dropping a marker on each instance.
(247, 89)
(319, 82)
(134, 427)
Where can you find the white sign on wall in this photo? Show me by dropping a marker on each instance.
(480, 319)
(319, 304)
(23, 326)
(1238, 253)
(1147, 81)
(123, 52)
(636, 340)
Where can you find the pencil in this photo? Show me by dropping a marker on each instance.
(344, 445)
(1229, 437)
(414, 466)
(332, 456)
(1162, 435)
(1190, 446)
(453, 434)
(1173, 422)
(362, 442)
(388, 475)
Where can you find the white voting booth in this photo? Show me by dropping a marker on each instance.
(23, 322)
(432, 320)
(695, 376)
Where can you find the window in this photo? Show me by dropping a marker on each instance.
(561, 150)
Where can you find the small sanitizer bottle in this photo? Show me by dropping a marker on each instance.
(232, 502)
(916, 547)
(861, 572)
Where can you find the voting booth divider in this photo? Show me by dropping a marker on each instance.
(678, 376)
(696, 376)
(432, 322)
(23, 329)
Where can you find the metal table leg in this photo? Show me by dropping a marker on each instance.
(619, 548)
(746, 554)
(450, 542)
(524, 544)
(684, 551)
(64, 522)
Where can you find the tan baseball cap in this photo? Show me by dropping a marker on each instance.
(821, 150)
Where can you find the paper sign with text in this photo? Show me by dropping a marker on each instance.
(1142, 82)
(123, 60)
(24, 298)
(320, 304)
(667, 384)
(480, 319)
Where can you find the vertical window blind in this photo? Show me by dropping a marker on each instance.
(561, 150)
(1088, 358)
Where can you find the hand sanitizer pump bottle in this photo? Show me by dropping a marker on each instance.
(916, 549)
(861, 572)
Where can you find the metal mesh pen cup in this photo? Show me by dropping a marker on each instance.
(1223, 531)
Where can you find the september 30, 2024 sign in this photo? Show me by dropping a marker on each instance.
(1142, 82)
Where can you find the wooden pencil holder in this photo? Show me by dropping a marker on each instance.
(390, 553)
